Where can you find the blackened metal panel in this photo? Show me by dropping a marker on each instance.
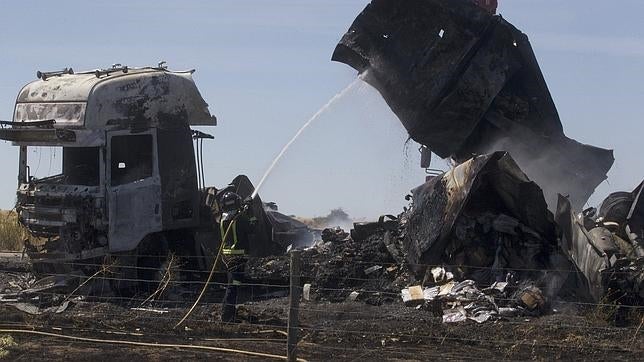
(147, 99)
(439, 202)
(134, 212)
(415, 52)
(177, 168)
(135, 208)
(437, 61)
(636, 214)
(38, 136)
(435, 208)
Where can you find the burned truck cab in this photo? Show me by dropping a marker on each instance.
(127, 167)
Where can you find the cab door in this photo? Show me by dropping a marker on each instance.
(133, 188)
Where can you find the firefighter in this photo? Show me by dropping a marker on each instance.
(234, 250)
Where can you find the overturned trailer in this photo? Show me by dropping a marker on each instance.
(131, 183)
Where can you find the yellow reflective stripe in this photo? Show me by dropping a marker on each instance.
(230, 250)
(234, 234)
(221, 230)
(233, 251)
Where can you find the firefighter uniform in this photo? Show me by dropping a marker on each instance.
(234, 258)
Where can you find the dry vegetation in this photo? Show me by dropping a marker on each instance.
(6, 342)
(12, 234)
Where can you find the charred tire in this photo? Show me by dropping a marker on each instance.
(616, 206)
(122, 274)
(138, 270)
(152, 255)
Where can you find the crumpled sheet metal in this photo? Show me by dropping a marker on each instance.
(27, 295)
(578, 245)
(465, 82)
(602, 262)
(439, 202)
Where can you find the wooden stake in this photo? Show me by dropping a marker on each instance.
(294, 306)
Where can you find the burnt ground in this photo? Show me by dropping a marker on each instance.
(345, 330)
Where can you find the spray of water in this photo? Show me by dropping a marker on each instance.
(317, 115)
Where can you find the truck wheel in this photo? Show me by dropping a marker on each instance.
(165, 279)
(122, 274)
(152, 255)
(136, 271)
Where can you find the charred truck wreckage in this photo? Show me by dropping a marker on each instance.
(130, 188)
(507, 219)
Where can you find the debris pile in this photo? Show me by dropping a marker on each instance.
(338, 265)
(486, 218)
(24, 292)
(458, 301)
(478, 242)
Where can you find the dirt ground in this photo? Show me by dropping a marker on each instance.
(344, 331)
(328, 331)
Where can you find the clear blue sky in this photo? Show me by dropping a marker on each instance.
(264, 68)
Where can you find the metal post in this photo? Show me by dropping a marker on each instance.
(22, 166)
(294, 306)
